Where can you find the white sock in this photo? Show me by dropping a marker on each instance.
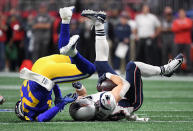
(65, 21)
(148, 70)
(101, 44)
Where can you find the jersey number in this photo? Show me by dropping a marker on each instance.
(30, 95)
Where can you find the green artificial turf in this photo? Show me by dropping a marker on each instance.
(169, 105)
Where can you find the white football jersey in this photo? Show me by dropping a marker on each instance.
(94, 97)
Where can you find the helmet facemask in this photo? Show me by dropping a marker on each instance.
(18, 110)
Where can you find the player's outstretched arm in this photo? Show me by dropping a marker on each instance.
(49, 114)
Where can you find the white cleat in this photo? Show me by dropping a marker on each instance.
(134, 117)
(66, 14)
(70, 49)
(95, 15)
(172, 66)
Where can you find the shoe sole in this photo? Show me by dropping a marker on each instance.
(179, 56)
(93, 14)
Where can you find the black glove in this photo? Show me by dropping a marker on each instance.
(101, 79)
(67, 99)
(77, 85)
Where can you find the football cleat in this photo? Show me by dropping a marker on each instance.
(134, 117)
(70, 49)
(95, 15)
(66, 13)
(169, 69)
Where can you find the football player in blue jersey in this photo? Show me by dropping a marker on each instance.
(95, 105)
(69, 66)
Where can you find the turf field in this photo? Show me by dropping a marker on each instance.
(169, 105)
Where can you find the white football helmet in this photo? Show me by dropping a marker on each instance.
(82, 110)
(86, 109)
(105, 106)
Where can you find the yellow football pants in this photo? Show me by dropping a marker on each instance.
(58, 68)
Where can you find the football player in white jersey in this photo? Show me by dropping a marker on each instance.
(127, 96)
(100, 105)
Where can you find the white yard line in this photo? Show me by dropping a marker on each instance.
(70, 122)
(155, 116)
(9, 74)
(146, 111)
(168, 97)
(9, 87)
(165, 111)
(143, 111)
(173, 78)
(171, 121)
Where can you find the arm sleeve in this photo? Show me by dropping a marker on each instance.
(48, 115)
(57, 91)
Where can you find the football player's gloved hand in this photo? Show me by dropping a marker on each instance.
(57, 100)
(102, 78)
(67, 99)
(77, 85)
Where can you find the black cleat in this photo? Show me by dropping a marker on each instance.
(95, 15)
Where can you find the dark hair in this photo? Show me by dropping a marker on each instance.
(73, 108)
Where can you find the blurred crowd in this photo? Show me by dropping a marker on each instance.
(132, 34)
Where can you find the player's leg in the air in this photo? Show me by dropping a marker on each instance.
(74, 67)
(134, 70)
(101, 44)
(46, 72)
(165, 70)
(67, 46)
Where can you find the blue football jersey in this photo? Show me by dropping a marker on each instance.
(35, 99)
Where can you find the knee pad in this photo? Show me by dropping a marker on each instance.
(130, 65)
